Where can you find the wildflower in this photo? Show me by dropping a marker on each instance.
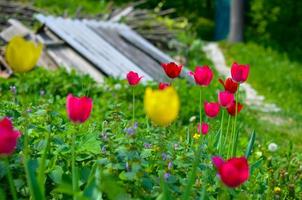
(176, 146)
(172, 69)
(196, 136)
(202, 75)
(78, 109)
(240, 72)
(232, 108)
(211, 109)
(167, 175)
(203, 128)
(164, 156)
(225, 98)
(272, 147)
(161, 106)
(147, 145)
(42, 92)
(162, 86)
(104, 149)
(192, 119)
(22, 55)
(277, 190)
(170, 165)
(8, 137)
(13, 89)
(229, 85)
(232, 172)
(133, 78)
(117, 86)
(131, 130)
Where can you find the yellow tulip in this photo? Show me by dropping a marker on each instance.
(22, 55)
(161, 106)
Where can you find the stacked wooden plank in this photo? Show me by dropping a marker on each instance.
(112, 48)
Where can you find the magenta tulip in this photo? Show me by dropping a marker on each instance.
(78, 109)
(8, 137)
(240, 72)
(204, 128)
(202, 75)
(211, 109)
(232, 172)
(225, 98)
(133, 78)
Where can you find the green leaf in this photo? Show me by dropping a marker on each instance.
(34, 186)
(250, 144)
(2, 194)
(56, 174)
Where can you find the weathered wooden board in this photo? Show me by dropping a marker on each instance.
(93, 47)
(146, 63)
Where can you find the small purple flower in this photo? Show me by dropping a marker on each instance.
(170, 165)
(164, 156)
(166, 175)
(147, 145)
(131, 130)
(29, 110)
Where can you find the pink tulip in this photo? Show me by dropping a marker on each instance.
(133, 78)
(211, 109)
(225, 98)
(239, 72)
(232, 172)
(78, 109)
(202, 75)
(8, 137)
(204, 128)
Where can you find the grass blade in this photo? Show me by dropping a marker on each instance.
(250, 144)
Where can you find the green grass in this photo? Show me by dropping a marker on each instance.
(277, 78)
(70, 7)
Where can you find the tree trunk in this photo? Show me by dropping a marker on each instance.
(236, 25)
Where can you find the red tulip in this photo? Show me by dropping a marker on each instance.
(239, 72)
(225, 98)
(78, 109)
(202, 75)
(229, 85)
(204, 128)
(232, 108)
(8, 137)
(211, 109)
(172, 69)
(162, 86)
(133, 78)
(232, 172)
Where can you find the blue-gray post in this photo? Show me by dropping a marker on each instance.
(222, 19)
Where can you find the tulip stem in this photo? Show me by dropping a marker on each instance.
(43, 160)
(200, 107)
(235, 123)
(10, 180)
(133, 106)
(74, 175)
(219, 147)
(227, 132)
